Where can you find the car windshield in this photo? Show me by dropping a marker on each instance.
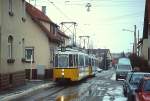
(124, 67)
(135, 78)
(124, 61)
(147, 86)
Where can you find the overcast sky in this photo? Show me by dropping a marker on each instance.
(103, 23)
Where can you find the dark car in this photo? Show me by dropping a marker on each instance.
(131, 83)
(142, 93)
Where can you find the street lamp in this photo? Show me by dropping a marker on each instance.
(127, 30)
(135, 41)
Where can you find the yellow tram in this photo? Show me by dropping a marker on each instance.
(73, 65)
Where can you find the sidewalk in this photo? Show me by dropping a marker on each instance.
(29, 87)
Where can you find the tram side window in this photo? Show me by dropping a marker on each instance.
(56, 60)
(86, 61)
(96, 63)
(76, 60)
(93, 62)
(90, 62)
(70, 60)
(81, 60)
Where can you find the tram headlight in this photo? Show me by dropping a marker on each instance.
(62, 73)
(62, 98)
(62, 70)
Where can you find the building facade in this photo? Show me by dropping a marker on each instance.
(28, 40)
(144, 43)
(47, 37)
(11, 22)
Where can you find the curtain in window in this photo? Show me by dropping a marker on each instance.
(10, 47)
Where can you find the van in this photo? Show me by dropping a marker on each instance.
(123, 67)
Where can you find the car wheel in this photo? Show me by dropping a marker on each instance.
(125, 93)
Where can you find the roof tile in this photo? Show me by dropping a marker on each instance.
(39, 16)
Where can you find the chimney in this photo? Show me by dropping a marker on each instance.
(44, 9)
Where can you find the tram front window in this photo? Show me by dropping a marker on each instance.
(63, 60)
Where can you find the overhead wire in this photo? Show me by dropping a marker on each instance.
(59, 10)
(108, 20)
(96, 3)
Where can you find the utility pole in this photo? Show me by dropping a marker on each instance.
(84, 44)
(138, 42)
(135, 41)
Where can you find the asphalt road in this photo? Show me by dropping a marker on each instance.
(102, 87)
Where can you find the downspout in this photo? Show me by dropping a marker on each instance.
(0, 47)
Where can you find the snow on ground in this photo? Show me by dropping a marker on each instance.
(113, 77)
(114, 94)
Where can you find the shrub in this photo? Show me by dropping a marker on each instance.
(140, 62)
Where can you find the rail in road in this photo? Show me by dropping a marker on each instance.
(98, 88)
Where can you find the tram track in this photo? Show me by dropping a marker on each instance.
(49, 94)
(39, 95)
(53, 94)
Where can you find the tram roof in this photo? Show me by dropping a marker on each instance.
(75, 51)
(70, 51)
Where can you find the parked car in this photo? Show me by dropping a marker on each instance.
(142, 93)
(122, 68)
(131, 83)
(99, 70)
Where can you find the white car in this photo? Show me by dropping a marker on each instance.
(123, 67)
(98, 70)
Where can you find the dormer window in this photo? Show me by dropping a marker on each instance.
(55, 31)
(10, 8)
(52, 28)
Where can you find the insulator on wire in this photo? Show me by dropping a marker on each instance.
(88, 5)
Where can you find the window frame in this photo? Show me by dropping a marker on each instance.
(10, 47)
(29, 60)
(10, 4)
(23, 3)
